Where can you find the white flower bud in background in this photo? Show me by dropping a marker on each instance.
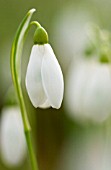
(12, 139)
(88, 91)
(44, 78)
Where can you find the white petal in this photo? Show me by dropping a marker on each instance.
(33, 76)
(52, 78)
(97, 99)
(45, 105)
(12, 139)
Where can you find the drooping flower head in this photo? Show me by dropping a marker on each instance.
(44, 78)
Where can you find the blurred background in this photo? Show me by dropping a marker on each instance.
(77, 136)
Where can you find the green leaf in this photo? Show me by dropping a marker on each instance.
(15, 63)
(16, 54)
(18, 45)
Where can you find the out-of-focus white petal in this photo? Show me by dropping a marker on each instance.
(88, 92)
(52, 78)
(45, 105)
(33, 76)
(12, 139)
(77, 80)
(97, 99)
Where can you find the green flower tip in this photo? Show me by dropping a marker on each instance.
(40, 36)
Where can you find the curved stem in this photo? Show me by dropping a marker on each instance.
(35, 23)
(16, 75)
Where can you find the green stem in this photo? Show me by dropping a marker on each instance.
(26, 124)
(35, 23)
(16, 54)
(31, 152)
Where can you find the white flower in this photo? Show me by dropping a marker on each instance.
(12, 139)
(44, 78)
(88, 93)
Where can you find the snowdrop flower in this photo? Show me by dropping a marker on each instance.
(12, 139)
(88, 92)
(44, 78)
